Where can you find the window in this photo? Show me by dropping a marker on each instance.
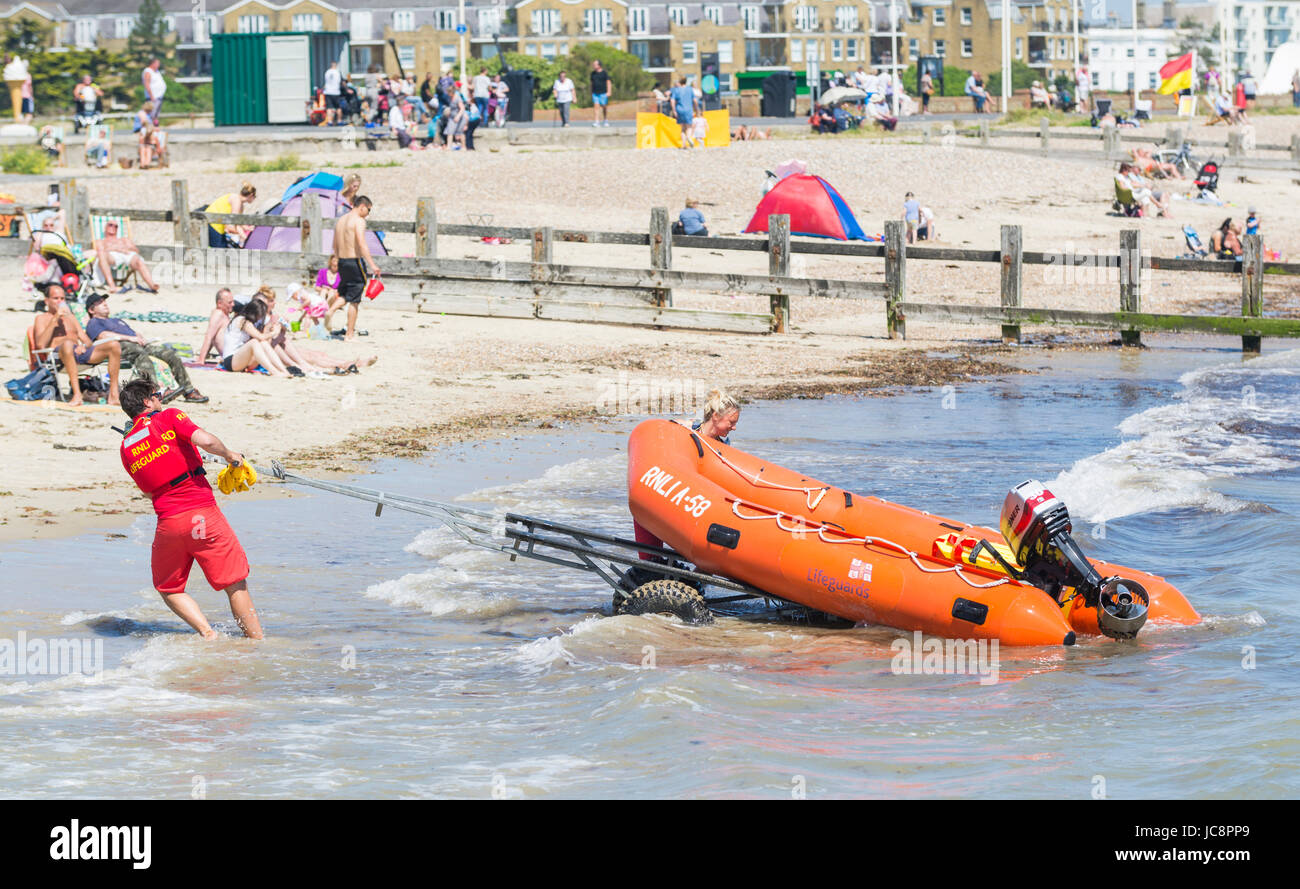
(546, 21)
(597, 21)
(253, 24)
(805, 18)
(851, 49)
(1130, 81)
(489, 21)
(913, 48)
(940, 16)
(940, 48)
(530, 49)
(966, 49)
(122, 27)
(1095, 50)
(548, 51)
(689, 56)
(406, 57)
(796, 50)
(447, 55)
(169, 24)
(1151, 52)
(362, 25)
(813, 50)
(713, 14)
(966, 15)
(749, 15)
(1096, 79)
(724, 52)
(403, 20)
(1020, 47)
(1152, 81)
(84, 32)
(677, 15)
(837, 50)
(1130, 52)
(445, 19)
(846, 18)
(307, 21)
(641, 49)
(638, 22)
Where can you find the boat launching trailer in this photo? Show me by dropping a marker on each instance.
(640, 586)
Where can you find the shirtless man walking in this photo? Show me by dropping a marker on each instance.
(57, 328)
(354, 258)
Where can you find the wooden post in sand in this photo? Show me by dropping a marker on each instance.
(778, 264)
(1174, 138)
(1252, 285)
(1110, 141)
(79, 216)
(1295, 148)
(661, 250)
(182, 231)
(310, 223)
(426, 229)
(1012, 277)
(895, 278)
(1044, 134)
(984, 134)
(1130, 280)
(1236, 148)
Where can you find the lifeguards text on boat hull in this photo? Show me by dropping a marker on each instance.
(854, 557)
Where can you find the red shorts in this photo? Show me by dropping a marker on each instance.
(202, 534)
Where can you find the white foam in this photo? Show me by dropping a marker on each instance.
(441, 592)
(1175, 453)
(542, 654)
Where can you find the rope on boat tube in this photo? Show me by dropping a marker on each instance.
(844, 537)
(757, 481)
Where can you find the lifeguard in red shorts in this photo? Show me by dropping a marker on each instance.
(159, 452)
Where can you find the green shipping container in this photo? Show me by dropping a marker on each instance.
(753, 80)
(238, 79)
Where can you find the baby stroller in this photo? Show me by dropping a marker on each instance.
(86, 114)
(1196, 249)
(1207, 179)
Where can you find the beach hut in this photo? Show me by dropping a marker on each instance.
(289, 240)
(814, 207)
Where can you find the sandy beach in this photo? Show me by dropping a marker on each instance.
(443, 378)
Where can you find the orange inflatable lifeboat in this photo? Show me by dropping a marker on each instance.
(866, 559)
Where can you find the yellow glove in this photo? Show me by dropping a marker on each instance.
(226, 480)
(236, 478)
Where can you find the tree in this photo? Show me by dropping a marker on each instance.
(148, 38)
(954, 81)
(25, 36)
(624, 69)
(1192, 36)
(1022, 76)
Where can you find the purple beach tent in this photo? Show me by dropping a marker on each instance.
(288, 240)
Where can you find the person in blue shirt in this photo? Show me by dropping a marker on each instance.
(1252, 222)
(137, 350)
(690, 221)
(683, 101)
(911, 215)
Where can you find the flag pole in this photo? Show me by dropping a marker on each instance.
(1195, 99)
(1136, 62)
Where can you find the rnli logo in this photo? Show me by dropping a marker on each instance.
(860, 570)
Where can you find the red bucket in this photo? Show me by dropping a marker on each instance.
(374, 287)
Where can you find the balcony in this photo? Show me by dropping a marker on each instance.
(507, 31)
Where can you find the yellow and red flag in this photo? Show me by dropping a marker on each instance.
(1176, 75)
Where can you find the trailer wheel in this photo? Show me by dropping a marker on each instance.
(665, 597)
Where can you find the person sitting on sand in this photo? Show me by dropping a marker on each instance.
(1225, 242)
(149, 140)
(313, 361)
(1147, 165)
(720, 418)
(691, 221)
(927, 230)
(750, 134)
(115, 250)
(102, 328)
(214, 340)
(327, 280)
(246, 346)
(57, 328)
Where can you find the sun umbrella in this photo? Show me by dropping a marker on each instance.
(839, 94)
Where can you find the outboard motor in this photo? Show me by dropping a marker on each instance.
(1036, 525)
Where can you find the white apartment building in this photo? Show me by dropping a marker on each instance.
(1116, 61)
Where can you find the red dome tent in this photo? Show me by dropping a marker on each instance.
(814, 207)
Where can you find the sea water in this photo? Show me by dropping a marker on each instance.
(402, 662)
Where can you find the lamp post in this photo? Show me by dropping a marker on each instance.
(464, 29)
(893, 73)
(1006, 56)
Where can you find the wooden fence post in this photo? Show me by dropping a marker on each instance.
(661, 250)
(309, 224)
(778, 265)
(1044, 134)
(182, 232)
(542, 241)
(79, 217)
(1295, 147)
(1110, 141)
(1235, 146)
(1174, 138)
(1252, 285)
(984, 134)
(1012, 276)
(426, 228)
(1130, 280)
(895, 278)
